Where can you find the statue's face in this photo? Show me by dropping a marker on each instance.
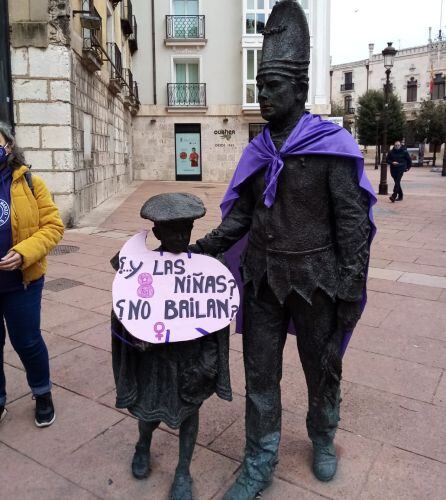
(278, 97)
(174, 236)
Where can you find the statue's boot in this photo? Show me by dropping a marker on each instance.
(325, 462)
(141, 462)
(257, 469)
(181, 488)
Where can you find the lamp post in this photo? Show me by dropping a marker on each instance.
(389, 56)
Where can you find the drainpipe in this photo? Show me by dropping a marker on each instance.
(153, 54)
(4, 39)
(331, 87)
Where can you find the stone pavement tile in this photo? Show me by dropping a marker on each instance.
(403, 475)
(103, 466)
(86, 371)
(99, 279)
(405, 423)
(28, 480)
(374, 316)
(16, 383)
(443, 296)
(82, 260)
(62, 270)
(384, 274)
(432, 258)
(406, 289)
(392, 375)
(82, 296)
(440, 395)
(105, 309)
(391, 343)
(55, 344)
(423, 279)
(406, 255)
(99, 336)
(417, 268)
(413, 322)
(78, 421)
(65, 320)
(382, 263)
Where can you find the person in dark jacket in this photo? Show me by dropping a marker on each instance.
(400, 162)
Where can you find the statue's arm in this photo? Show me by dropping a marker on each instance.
(352, 228)
(232, 229)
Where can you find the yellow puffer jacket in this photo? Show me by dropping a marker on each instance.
(36, 224)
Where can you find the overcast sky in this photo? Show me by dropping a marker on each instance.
(356, 23)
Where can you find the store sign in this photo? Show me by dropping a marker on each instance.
(188, 153)
(162, 297)
(225, 134)
(338, 120)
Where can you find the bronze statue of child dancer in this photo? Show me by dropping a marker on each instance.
(169, 382)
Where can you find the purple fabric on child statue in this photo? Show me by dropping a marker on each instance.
(311, 136)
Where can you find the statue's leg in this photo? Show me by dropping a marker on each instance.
(316, 324)
(264, 335)
(141, 458)
(182, 484)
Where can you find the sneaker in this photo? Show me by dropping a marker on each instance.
(3, 412)
(45, 414)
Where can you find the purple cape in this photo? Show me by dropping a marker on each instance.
(310, 136)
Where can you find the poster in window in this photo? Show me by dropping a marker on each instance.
(188, 153)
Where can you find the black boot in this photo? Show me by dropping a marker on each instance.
(393, 198)
(141, 462)
(325, 462)
(181, 487)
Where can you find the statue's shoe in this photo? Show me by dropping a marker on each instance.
(246, 488)
(325, 462)
(181, 487)
(141, 464)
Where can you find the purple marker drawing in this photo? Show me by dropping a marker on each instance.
(146, 291)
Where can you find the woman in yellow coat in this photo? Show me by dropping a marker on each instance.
(30, 226)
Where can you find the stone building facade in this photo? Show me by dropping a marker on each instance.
(414, 71)
(73, 104)
(197, 63)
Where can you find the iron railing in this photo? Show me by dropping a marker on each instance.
(133, 38)
(92, 40)
(115, 57)
(128, 77)
(186, 94)
(350, 111)
(347, 86)
(136, 93)
(184, 27)
(127, 17)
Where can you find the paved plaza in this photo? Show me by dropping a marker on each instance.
(392, 436)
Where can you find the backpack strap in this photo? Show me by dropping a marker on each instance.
(29, 181)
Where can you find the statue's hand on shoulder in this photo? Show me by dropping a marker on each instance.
(348, 314)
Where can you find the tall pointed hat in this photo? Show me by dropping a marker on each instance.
(286, 43)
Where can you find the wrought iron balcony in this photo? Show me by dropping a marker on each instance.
(186, 94)
(347, 86)
(350, 111)
(133, 38)
(185, 27)
(128, 90)
(91, 48)
(127, 17)
(115, 61)
(136, 94)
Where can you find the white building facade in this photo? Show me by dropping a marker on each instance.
(197, 64)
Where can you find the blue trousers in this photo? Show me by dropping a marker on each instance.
(20, 310)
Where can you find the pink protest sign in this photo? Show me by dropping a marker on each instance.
(162, 297)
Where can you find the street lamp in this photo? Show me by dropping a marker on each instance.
(389, 54)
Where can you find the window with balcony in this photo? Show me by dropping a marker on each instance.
(348, 84)
(258, 11)
(439, 87)
(91, 40)
(252, 58)
(412, 90)
(186, 90)
(348, 105)
(127, 17)
(185, 21)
